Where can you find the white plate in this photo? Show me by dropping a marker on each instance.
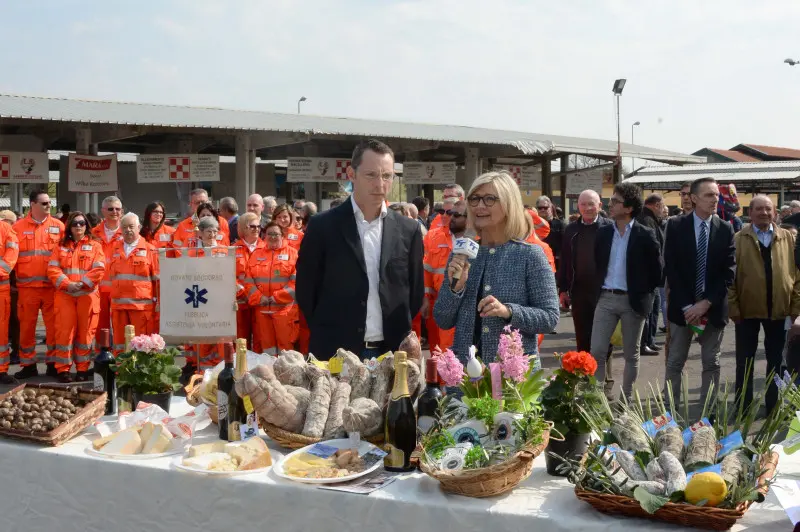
(363, 448)
(179, 449)
(177, 463)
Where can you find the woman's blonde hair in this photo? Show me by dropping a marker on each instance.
(518, 223)
(244, 221)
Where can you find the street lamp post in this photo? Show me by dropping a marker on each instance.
(302, 99)
(791, 62)
(619, 84)
(633, 163)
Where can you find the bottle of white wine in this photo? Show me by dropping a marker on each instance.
(401, 424)
(237, 413)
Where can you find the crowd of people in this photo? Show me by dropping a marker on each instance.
(365, 273)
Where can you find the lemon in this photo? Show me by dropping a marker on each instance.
(706, 486)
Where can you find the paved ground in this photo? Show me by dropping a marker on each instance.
(651, 368)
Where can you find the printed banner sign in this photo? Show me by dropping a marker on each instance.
(177, 168)
(421, 173)
(198, 297)
(588, 179)
(527, 177)
(92, 173)
(318, 169)
(24, 167)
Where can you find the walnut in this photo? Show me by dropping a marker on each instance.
(37, 427)
(6, 404)
(52, 424)
(27, 407)
(6, 424)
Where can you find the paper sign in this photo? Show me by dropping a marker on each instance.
(177, 168)
(527, 177)
(317, 169)
(92, 173)
(421, 173)
(24, 167)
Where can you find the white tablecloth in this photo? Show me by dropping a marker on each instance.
(64, 489)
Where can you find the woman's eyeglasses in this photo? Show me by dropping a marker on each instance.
(254, 227)
(487, 200)
(79, 223)
(160, 213)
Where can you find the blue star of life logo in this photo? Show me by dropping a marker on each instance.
(196, 295)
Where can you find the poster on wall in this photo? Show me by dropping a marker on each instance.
(588, 178)
(429, 173)
(24, 167)
(316, 169)
(527, 177)
(92, 173)
(177, 168)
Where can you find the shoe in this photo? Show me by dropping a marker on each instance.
(663, 329)
(84, 376)
(186, 373)
(5, 378)
(27, 372)
(64, 377)
(51, 370)
(655, 347)
(649, 352)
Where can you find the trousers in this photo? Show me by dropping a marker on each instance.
(276, 332)
(582, 318)
(31, 301)
(5, 318)
(142, 321)
(244, 326)
(746, 345)
(76, 327)
(651, 324)
(303, 335)
(678, 352)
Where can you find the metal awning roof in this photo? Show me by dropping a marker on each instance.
(26, 108)
(760, 173)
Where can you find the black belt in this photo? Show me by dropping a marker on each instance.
(375, 345)
(615, 291)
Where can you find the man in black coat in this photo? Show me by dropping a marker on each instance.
(700, 263)
(629, 268)
(359, 271)
(651, 217)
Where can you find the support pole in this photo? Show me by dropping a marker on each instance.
(472, 166)
(563, 184)
(83, 146)
(547, 181)
(242, 177)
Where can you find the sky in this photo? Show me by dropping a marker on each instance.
(700, 73)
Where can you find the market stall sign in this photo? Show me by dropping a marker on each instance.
(588, 179)
(92, 173)
(429, 173)
(527, 177)
(24, 167)
(176, 168)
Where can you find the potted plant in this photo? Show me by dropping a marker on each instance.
(148, 371)
(571, 386)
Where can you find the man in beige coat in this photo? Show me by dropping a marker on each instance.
(765, 292)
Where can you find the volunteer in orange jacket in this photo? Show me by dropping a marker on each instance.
(38, 234)
(185, 235)
(154, 230)
(540, 225)
(248, 243)
(109, 233)
(438, 247)
(9, 252)
(284, 216)
(535, 238)
(76, 268)
(133, 270)
(270, 276)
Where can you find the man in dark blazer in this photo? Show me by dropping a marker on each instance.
(359, 271)
(629, 268)
(651, 217)
(700, 263)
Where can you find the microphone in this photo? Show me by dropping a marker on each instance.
(465, 247)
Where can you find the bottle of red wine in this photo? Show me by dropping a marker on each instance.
(224, 389)
(401, 424)
(105, 378)
(237, 413)
(428, 402)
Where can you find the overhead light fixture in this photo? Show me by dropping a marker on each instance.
(619, 85)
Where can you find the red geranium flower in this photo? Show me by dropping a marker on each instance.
(579, 363)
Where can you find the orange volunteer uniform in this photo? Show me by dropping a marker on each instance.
(534, 239)
(438, 246)
(245, 320)
(185, 235)
(540, 225)
(271, 273)
(77, 313)
(99, 231)
(36, 243)
(293, 238)
(9, 252)
(134, 289)
(161, 238)
(209, 355)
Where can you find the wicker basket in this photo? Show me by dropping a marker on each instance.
(94, 409)
(489, 481)
(290, 440)
(193, 397)
(679, 513)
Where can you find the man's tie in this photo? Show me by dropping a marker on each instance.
(700, 263)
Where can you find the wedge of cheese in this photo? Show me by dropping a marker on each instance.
(205, 461)
(207, 448)
(160, 440)
(124, 442)
(250, 454)
(146, 431)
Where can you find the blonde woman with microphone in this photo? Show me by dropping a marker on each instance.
(509, 282)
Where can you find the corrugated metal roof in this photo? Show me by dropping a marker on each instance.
(167, 116)
(774, 171)
(772, 151)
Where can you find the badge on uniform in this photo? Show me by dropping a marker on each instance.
(141, 253)
(86, 247)
(261, 258)
(163, 238)
(54, 230)
(292, 236)
(283, 256)
(178, 243)
(443, 246)
(220, 236)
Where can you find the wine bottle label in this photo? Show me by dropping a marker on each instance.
(394, 457)
(249, 429)
(235, 431)
(98, 383)
(222, 405)
(425, 423)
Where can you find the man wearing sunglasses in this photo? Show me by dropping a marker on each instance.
(452, 193)
(38, 234)
(109, 232)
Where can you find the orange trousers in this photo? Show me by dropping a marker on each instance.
(275, 332)
(444, 338)
(416, 324)
(245, 322)
(303, 335)
(142, 321)
(5, 319)
(76, 325)
(208, 355)
(105, 313)
(30, 301)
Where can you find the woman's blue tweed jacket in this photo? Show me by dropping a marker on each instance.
(519, 276)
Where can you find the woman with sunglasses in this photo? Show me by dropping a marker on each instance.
(76, 268)
(269, 284)
(154, 230)
(249, 227)
(509, 283)
(284, 216)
